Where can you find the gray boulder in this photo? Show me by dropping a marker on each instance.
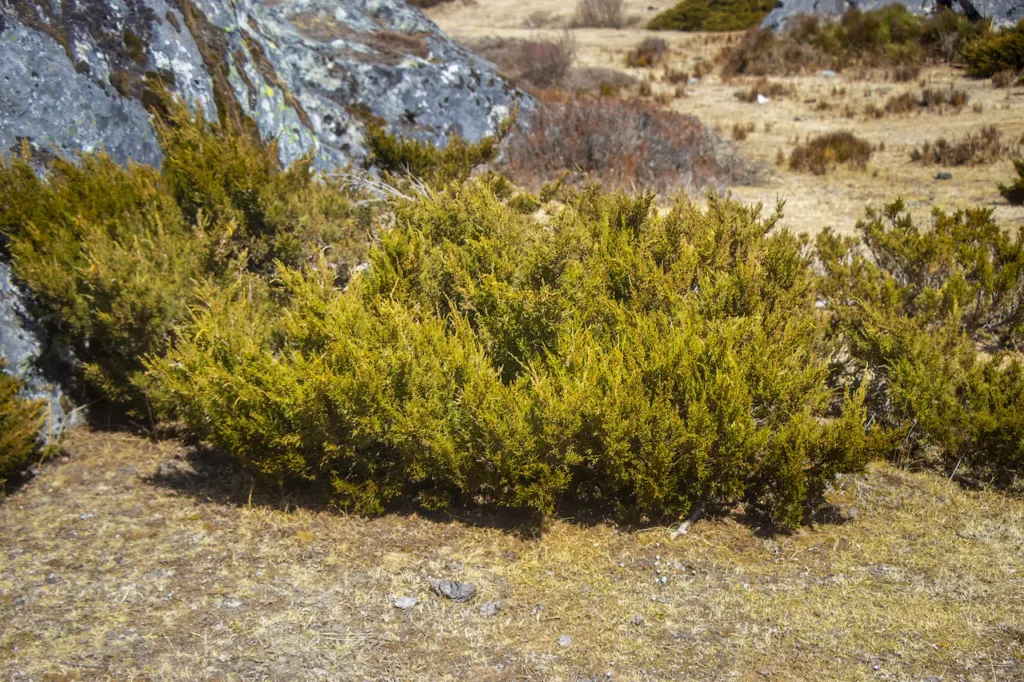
(1002, 12)
(76, 75)
(28, 355)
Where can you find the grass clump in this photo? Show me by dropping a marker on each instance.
(642, 363)
(648, 53)
(985, 146)
(912, 308)
(1014, 192)
(712, 15)
(20, 421)
(825, 152)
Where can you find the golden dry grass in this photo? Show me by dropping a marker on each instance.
(145, 561)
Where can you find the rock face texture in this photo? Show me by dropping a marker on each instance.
(26, 352)
(1002, 12)
(77, 75)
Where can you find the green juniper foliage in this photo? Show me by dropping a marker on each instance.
(112, 254)
(20, 421)
(612, 356)
(911, 310)
(712, 15)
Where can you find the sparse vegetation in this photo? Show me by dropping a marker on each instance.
(890, 37)
(985, 146)
(20, 421)
(823, 153)
(648, 53)
(765, 88)
(712, 15)
(621, 143)
(930, 98)
(598, 14)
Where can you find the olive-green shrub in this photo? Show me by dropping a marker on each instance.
(712, 15)
(913, 310)
(20, 421)
(112, 254)
(605, 354)
(996, 51)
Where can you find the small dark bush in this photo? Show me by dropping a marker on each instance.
(1005, 79)
(998, 51)
(627, 360)
(648, 53)
(598, 14)
(906, 73)
(20, 421)
(536, 63)
(621, 143)
(1014, 192)
(712, 15)
(985, 146)
(824, 152)
(904, 103)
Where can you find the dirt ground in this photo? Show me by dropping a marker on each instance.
(812, 202)
(139, 560)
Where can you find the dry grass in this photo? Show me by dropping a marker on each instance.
(141, 560)
(985, 146)
(824, 153)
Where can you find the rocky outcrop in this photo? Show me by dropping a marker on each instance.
(28, 355)
(78, 75)
(1002, 12)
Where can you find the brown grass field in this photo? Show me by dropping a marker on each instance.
(131, 559)
(136, 559)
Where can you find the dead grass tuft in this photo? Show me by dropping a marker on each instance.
(985, 146)
(823, 153)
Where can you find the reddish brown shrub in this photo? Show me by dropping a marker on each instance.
(537, 63)
(620, 143)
